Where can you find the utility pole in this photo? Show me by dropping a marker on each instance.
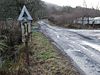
(84, 11)
(86, 14)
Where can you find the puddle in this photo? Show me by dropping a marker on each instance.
(78, 53)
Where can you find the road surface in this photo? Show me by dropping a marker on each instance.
(82, 46)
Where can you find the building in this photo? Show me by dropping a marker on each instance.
(86, 20)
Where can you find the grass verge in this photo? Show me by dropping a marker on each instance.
(46, 60)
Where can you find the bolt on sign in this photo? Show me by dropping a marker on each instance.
(26, 22)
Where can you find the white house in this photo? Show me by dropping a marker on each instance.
(97, 20)
(85, 20)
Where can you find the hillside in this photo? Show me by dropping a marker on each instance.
(50, 5)
(68, 9)
(66, 14)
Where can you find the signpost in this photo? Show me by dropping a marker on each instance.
(26, 27)
(26, 23)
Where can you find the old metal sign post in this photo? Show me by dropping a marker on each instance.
(26, 26)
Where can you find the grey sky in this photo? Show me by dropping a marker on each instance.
(74, 3)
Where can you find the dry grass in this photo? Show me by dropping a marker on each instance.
(46, 60)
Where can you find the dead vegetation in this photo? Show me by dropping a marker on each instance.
(44, 60)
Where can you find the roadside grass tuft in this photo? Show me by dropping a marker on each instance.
(46, 55)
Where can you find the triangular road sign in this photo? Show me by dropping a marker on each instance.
(24, 14)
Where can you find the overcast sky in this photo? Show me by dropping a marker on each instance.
(74, 3)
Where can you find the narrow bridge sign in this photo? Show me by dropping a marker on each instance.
(26, 23)
(24, 14)
(26, 27)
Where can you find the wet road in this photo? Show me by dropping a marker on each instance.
(82, 46)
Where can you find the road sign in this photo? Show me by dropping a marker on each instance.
(26, 25)
(24, 14)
